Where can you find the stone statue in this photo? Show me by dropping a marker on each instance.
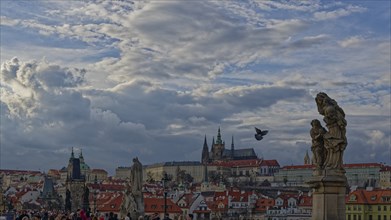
(68, 199)
(136, 176)
(133, 202)
(86, 195)
(334, 139)
(128, 204)
(317, 148)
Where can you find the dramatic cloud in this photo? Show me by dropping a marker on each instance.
(120, 79)
(325, 15)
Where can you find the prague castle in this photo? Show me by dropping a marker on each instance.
(218, 152)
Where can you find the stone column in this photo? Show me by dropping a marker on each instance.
(328, 199)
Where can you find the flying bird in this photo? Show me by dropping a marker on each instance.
(259, 135)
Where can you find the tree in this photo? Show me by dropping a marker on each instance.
(150, 177)
(188, 178)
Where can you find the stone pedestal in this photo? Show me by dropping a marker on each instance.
(328, 200)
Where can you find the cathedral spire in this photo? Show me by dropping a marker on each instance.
(219, 141)
(72, 156)
(307, 160)
(205, 152)
(81, 156)
(232, 147)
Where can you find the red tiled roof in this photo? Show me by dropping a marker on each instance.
(108, 201)
(214, 206)
(359, 165)
(376, 196)
(188, 198)
(286, 196)
(156, 205)
(270, 163)
(263, 204)
(305, 201)
(8, 172)
(107, 187)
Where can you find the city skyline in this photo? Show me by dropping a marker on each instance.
(150, 79)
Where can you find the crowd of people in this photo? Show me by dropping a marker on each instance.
(80, 214)
(43, 214)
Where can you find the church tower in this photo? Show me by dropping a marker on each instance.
(75, 183)
(218, 147)
(205, 153)
(307, 160)
(81, 158)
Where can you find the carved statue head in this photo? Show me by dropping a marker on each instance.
(315, 123)
(320, 100)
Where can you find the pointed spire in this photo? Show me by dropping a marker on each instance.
(205, 152)
(213, 141)
(219, 141)
(307, 159)
(72, 156)
(205, 144)
(232, 147)
(81, 158)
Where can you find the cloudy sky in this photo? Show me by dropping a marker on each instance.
(120, 79)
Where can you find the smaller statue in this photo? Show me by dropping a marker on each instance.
(136, 176)
(317, 148)
(86, 201)
(68, 199)
(133, 202)
(128, 204)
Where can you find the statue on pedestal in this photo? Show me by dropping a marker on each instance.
(328, 180)
(334, 139)
(128, 204)
(136, 176)
(133, 201)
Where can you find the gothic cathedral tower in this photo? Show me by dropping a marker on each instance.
(218, 147)
(75, 184)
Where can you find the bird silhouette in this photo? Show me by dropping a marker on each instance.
(259, 135)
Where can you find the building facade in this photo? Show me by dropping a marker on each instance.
(368, 205)
(269, 167)
(157, 171)
(385, 177)
(361, 174)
